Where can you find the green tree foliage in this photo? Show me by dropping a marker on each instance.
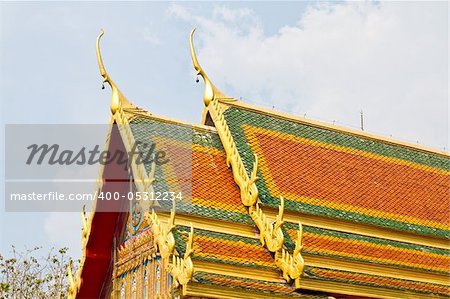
(26, 274)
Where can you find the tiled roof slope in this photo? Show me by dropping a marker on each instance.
(234, 250)
(272, 289)
(225, 248)
(196, 167)
(210, 193)
(428, 290)
(325, 242)
(337, 174)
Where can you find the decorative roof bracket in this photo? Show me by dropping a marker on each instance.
(182, 268)
(118, 100)
(211, 92)
(163, 237)
(118, 103)
(247, 186)
(271, 235)
(292, 265)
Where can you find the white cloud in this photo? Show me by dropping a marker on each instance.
(179, 11)
(388, 58)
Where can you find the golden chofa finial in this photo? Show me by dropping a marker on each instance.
(211, 92)
(117, 98)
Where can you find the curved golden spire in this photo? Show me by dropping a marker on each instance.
(99, 57)
(117, 98)
(211, 92)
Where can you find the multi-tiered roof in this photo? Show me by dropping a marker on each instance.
(278, 206)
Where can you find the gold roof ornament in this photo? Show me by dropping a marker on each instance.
(292, 265)
(182, 268)
(271, 234)
(163, 237)
(86, 226)
(211, 92)
(73, 285)
(118, 100)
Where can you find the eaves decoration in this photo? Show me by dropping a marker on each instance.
(271, 235)
(181, 268)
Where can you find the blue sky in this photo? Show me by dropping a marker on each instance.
(325, 60)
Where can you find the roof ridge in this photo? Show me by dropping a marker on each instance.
(336, 128)
(136, 112)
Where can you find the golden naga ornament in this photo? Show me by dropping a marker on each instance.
(292, 265)
(118, 100)
(247, 186)
(182, 269)
(271, 234)
(211, 92)
(163, 237)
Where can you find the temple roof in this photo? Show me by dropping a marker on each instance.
(338, 174)
(232, 242)
(356, 248)
(200, 158)
(277, 206)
